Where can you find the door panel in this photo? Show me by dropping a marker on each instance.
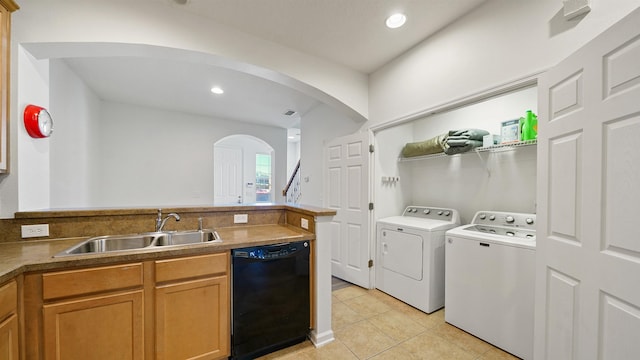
(587, 293)
(227, 181)
(348, 192)
(110, 326)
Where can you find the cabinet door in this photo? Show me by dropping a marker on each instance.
(192, 319)
(100, 327)
(9, 338)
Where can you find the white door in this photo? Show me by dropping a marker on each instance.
(588, 243)
(227, 182)
(348, 192)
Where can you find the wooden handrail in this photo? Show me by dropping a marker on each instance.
(293, 175)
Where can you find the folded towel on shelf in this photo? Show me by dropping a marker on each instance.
(459, 141)
(461, 148)
(471, 134)
(432, 146)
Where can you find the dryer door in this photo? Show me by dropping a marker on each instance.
(400, 251)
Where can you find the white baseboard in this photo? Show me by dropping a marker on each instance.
(319, 340)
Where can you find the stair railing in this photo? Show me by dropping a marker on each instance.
(292, 191)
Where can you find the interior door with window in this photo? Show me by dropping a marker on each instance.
(588, 248)
(227, 181)
(347, 190)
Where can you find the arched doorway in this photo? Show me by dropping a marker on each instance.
(243, 170)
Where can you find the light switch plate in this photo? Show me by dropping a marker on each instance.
(304, 223)
(240, 218)
(39, 230)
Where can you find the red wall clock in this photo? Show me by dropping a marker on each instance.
(37, 121)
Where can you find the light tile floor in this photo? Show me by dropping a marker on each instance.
(369, 324)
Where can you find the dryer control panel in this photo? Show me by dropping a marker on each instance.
(497, 218)
(425, 212)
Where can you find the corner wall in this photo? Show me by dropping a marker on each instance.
(73, 144)
(319, 125)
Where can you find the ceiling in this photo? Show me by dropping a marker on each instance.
(348, 32)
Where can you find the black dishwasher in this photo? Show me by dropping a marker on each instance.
(270, 298)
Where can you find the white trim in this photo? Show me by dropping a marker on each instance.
(520, 83)
(322, 339)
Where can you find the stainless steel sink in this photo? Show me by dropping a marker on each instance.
(111, 243)
(188, 237)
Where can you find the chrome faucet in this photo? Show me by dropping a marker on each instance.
(160, 221)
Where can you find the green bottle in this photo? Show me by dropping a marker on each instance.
(529, 126)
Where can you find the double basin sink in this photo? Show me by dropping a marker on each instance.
(109, 243)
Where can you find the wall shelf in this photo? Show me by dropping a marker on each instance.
(504, 147)
(493, 148)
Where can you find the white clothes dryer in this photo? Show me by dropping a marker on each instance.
(490, 279)
(410, 255)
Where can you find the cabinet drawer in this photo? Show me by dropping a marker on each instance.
(85, 281)
(8, 299)
(194, 266)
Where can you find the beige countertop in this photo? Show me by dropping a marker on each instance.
(37, 255)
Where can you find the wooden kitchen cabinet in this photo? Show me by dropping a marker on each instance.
(175, 308)
(103, 326)
(90, 313)
(9, 339)
(6, 8)
(192, 307)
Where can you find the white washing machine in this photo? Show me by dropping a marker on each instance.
(410, 255)
(490, 279)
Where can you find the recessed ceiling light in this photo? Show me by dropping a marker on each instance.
(396, 20)
(216, 90)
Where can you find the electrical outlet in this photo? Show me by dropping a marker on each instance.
(304, 223)
(29, 231)
(240, 218)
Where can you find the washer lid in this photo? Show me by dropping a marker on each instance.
(417, 223)
(470, 232)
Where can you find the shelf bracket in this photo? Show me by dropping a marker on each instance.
(484, 162)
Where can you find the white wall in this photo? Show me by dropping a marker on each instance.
(157, 158)
(33, 163)
(73, 145)
(293, 155)
(319, 125)
(503, 181)
(501, 41)
(391, 198)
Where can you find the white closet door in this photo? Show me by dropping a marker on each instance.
(227, 182)
(588, 242)
(347, 165)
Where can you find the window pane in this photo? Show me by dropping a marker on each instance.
(263, 178)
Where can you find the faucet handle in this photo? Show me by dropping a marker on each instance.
(199, 224)
(160, 214)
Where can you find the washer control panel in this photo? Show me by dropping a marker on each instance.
(497, 218)
(426, 212)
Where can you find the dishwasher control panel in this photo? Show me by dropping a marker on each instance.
(270, 252)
